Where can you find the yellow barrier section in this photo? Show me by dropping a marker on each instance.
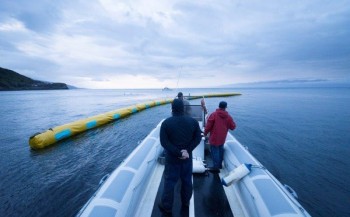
(213, 95)
(53, 135)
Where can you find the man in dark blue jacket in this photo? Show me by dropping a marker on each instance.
(179, 135)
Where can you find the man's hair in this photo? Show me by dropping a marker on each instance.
(223, 105)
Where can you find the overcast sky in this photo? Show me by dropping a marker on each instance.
(158, 43)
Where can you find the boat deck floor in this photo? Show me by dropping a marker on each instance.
(208, 197)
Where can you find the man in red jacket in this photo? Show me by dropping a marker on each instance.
(218, 124)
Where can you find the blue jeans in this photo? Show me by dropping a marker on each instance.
(217, 153)
(172, 173)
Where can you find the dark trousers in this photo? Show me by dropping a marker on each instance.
(217, 154)
(175, 170)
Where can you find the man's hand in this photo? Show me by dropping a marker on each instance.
(185, 154)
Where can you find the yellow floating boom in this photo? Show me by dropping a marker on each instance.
(53, 135)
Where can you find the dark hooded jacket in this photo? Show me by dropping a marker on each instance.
(218, 124)
(179, 132)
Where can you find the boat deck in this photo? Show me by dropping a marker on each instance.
(208, 197)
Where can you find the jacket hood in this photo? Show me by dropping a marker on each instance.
(177, 107)
(222, 113)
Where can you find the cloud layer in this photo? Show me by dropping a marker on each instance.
(151, 44)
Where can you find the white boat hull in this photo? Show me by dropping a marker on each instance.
(132, 188)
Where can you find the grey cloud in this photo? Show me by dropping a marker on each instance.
(248, 40)
(38, 16)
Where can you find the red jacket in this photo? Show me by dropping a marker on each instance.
(218, 124)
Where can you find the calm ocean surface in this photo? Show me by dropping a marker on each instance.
(302, 136)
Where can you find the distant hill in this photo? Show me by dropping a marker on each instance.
(11, 80)
(294, 83)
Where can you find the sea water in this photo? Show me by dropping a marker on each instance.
(302, 136)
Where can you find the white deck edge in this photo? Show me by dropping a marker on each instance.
(232, 198)
(149, 196)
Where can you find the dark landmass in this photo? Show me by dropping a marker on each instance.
(73, 87)
(166, 89)
(11, 80)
